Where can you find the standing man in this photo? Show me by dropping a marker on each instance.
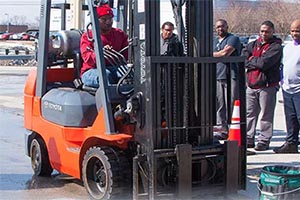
(263, 57)
(291, 91)
(111, 38)
(226, 44)
(169, 42)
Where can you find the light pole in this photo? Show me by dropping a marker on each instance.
(7, 22)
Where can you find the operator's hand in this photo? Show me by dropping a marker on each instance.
(107, 46)
(250, 58)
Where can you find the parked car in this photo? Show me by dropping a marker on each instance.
(27, 36)
(31, 34)
(15, 36)
(244, 40)
(5, 36)
(252, 38)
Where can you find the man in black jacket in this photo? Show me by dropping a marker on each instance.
(263, 76)
(169, 42)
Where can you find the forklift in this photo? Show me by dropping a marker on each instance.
(150, 136)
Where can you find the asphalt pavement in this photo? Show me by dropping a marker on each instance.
(14, 103)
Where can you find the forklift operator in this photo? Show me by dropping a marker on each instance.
(111, 38)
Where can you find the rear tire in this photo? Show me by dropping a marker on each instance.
(39, 158)
(105, 173)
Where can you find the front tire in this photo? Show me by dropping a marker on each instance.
(104, 173)
(39, 158)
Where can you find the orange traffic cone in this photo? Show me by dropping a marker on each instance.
(235, 128)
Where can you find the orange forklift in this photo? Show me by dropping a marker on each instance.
(150, 136)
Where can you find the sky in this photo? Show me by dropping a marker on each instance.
(28, 8)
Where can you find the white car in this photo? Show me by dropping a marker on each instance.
(252, 38)
(16, 36)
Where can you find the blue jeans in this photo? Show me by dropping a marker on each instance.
(292, 116)
(91, 77)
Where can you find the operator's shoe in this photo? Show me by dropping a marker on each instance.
(261, 147)
(250, 153)
(221, 136)
(287, 148)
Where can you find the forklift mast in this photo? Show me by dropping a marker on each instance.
(177, 110)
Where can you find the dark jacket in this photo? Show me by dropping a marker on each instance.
(172, 46)
(265, 57)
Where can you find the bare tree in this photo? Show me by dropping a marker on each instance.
(245, 17)
(34, 24)
(18, 20)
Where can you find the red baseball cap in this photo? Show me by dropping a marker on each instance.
(104, 10)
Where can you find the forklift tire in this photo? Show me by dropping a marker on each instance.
(39, 158)
(104, 173)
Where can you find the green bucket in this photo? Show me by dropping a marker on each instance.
(279, 182)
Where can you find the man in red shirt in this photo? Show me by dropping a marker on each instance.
(111, 38)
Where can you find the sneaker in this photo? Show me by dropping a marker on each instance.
(261, 147)
(250, 144)
(221, 136)
(287, 148)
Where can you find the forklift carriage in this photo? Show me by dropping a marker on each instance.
(149, 136)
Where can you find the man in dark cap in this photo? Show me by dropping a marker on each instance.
(111, 38)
